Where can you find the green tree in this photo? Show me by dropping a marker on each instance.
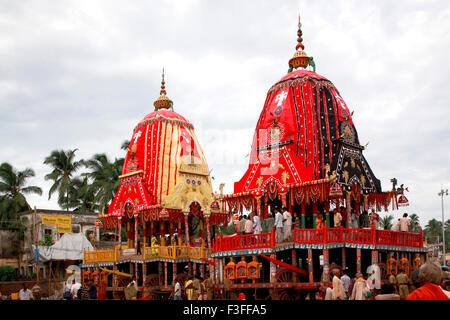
(82, 195)
(13, 188)
(386, 222)
(433, 228)
(105, 177)
(7, 273)
(413, 219)
(125, 145)
(64, 167)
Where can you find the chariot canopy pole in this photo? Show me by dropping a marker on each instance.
(186, 227)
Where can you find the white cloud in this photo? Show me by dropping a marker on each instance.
(81, 74)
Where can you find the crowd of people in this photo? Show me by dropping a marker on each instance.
(284, 221)
(24, 293)
(281, 221)
(403, 224)
(74, 291)
(427, 283)
(81, 291)
(196, 288)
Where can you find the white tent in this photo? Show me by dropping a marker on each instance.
(69, 247)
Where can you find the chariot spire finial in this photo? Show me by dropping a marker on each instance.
(163, 102)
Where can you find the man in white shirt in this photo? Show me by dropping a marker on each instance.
(257, 228)
(278, 226)
(338, 289)
(74, 289)
(396, 226)
(404, 223)
(345, 279)
(25, 293)
(248, 226)
(287, 225)
(177, 291)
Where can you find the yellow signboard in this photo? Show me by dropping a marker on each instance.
(63, 223)
(63, 220)
(64, 228)
(49, 220)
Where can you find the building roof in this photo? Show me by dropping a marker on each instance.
(58, 212)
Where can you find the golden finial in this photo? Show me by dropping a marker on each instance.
(300, 59)
(163, 102)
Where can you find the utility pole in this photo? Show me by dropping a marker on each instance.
(441, 194)
(36, 250)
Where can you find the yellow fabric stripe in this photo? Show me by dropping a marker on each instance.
(166, 159)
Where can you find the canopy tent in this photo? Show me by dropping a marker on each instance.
(69, 247)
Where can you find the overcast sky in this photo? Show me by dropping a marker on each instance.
(81, 74)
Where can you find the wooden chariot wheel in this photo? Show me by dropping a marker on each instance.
(285, 275)
(152, 282)
(121, 285)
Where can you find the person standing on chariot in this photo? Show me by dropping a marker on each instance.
(287, 225)
(241, 225)
(269, 222)
(278, 226)
(337, 218)
(416, 228)
(344, 216)
(396, 226)
(154, 245)
(248, 226)
(404, 223)
(354, 223)
(364, 219)
(319, 221)
(256, 224)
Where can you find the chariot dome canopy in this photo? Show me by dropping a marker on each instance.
(305, 135)
(164, 168)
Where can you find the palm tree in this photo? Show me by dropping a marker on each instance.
(413, 219)
(13, 190)
(386, 222)
(125, 145)
(105, 177)
(433, 228)
(82, 195)
(64, 167)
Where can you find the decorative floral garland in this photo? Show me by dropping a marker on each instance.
(161, 118)
(272, 190)
(247, 203)
(320, 83)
